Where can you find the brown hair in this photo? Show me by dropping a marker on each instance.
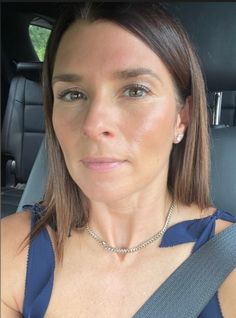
(64, 204)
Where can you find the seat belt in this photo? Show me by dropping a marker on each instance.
(189, 289)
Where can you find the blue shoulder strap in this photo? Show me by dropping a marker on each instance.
(188, 290)
(184, 294)
(40, 271)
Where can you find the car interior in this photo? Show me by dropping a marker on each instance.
(211, 27)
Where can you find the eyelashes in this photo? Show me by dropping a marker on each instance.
(134, 91)
(71, 95)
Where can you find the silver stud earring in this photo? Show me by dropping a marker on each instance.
(179, 137)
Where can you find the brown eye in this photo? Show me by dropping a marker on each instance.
(137, 91)
(72, 95)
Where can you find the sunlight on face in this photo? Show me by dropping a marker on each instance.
(114, 111)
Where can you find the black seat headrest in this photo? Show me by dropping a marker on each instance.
(223, 175)
(212, 29)
(30, 70)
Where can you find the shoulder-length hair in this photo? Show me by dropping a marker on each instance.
(64, 205)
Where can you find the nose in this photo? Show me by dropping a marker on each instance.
(99, 121)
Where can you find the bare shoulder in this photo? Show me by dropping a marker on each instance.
(227, 295)
(227, 291)
(220, 224)
(14, 229)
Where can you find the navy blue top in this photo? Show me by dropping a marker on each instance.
(41, 260)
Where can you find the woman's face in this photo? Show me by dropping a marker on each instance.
(114, 112)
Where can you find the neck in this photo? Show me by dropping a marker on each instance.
(127, 222)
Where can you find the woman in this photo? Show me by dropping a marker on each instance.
(128, 148)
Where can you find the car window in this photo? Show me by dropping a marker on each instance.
(39, 35)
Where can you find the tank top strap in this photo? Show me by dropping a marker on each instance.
(40, 270)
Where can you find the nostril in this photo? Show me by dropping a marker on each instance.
(106, 133)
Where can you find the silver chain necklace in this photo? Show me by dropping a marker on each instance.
(138, 247)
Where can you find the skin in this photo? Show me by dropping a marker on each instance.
(109, 121)
(141, 132)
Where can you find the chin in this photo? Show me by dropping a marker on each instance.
(104, 194)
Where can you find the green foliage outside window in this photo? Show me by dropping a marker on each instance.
(39, 37)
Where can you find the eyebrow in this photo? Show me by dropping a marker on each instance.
(123, 74)
(71, 78)
(135, 72)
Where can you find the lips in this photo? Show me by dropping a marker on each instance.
(102, 163)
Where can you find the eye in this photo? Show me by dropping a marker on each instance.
(70, 95)
(136, 91)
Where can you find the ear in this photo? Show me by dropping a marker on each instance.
(182, 120)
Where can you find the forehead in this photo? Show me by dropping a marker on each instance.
(103, 47)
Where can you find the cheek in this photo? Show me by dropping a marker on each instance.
(59, 126)
(64, 127)
(152, 129)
